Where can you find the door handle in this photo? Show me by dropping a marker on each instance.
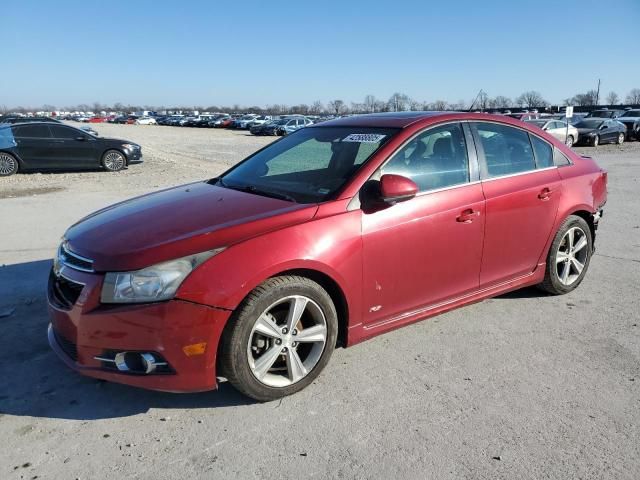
(467, 216)
(545, 194)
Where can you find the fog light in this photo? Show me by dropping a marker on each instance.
(195, 349)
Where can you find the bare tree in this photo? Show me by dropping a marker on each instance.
(370, 103)
(531, 99)
(634, 96)
(585, 99)
(336, 106)
(502, 102)
(612, 98)
(399, 102)
(317, 107)
(439, 105)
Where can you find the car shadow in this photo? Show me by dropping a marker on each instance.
(36, 383)
(527, 292)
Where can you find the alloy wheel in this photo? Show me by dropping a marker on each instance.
(7, 164)
(620, 138)
(569, 141)
(571, 255)
(287, 341)
(114, 161)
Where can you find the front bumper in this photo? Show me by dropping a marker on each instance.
(134, 155)
(82, 330)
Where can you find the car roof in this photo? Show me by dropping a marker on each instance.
(387, 119)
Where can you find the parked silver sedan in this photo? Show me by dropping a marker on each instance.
(558, 129)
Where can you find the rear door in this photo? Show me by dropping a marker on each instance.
(72, 149)
(32, 145)
(522, 189)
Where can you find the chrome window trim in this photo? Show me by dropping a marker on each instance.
(528, 172)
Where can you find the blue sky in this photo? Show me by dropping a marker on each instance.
(256, 53)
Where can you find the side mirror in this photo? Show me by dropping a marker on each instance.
(396, 188)
(602, 127)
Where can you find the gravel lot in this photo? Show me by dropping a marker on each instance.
(520, 386)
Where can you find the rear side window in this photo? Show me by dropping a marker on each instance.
(559, 159)
(507, 150)
(543, 152)
(31, 131)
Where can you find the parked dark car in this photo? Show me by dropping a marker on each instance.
(122, 119)
(47, 146)
(631, 120)
(595, 131)
(605, 113)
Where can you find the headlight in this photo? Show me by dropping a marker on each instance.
(151, 284)
(129, 146)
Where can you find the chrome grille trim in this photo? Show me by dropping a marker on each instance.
(72, 260)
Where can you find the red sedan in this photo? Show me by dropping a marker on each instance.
(329, 236)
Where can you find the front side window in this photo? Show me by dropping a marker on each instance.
(308, 166)
(507, 150)
(65, 132)
(437, 158)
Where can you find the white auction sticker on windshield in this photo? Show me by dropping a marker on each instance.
(364, 138)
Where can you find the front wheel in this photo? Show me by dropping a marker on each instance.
(569, 141)
(113, 161)
(569, 256)
(596, 140)
(280, 338)
(8, 164)
(620, 138)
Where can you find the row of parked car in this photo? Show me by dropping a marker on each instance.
(593, 128)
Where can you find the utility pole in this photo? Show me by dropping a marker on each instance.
(598, 93)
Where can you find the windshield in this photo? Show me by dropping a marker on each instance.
(589, 123)
(632, 113)
(308, 166)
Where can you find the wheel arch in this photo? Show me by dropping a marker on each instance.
(335, 292)
(16, 156)
(119, 150)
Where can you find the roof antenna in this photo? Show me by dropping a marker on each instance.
(475, 100)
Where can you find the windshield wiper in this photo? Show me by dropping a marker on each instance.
(257, 191)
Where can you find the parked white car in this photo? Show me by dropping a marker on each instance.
(558, 129)
(146, 121)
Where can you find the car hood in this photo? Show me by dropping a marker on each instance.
(628, 119)
(177, 222)
(584, 131)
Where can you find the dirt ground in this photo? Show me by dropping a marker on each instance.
(521, 386)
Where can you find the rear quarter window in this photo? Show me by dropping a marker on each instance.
(543, 152)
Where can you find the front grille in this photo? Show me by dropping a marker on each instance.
(67, 346)
(64, 292)
(73, 260)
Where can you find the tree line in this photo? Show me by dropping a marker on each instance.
(396, 103)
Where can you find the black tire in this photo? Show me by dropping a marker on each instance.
(8, 164)
(233, 360)
(620, 139)
(113, 161)
(569, 142)
(596, 140)
(552, 282)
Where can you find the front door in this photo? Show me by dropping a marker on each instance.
(522, 188)
(72, 149)
(426, 250)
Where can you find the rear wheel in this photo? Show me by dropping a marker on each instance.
(280, 338)
(8, 164)
(620, 138)
(569, 256)
(113, 161)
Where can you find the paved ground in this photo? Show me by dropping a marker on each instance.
(521, 386)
